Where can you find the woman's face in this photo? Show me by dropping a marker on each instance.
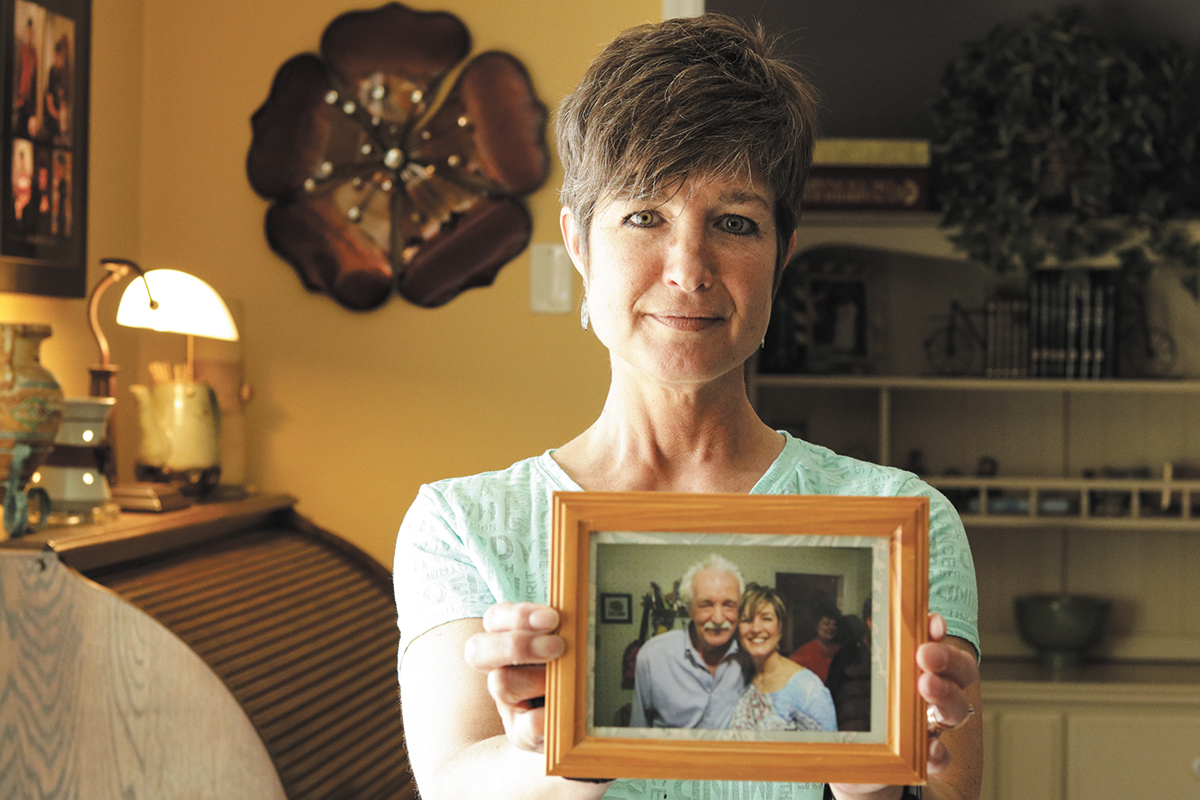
(679, 286)
(760, 633)
(827, 629)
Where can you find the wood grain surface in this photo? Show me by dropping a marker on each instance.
(101, 701)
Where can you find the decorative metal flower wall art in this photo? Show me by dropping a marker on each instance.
(380, 177)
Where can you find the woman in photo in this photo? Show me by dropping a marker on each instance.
(780, 694)
(684, 150)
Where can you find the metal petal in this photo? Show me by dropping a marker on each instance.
(419, 46)
(469, 254)
(329, 252)
(490, 126)
(296, 130)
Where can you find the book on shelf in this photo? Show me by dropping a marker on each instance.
(1083, 368)
(1021, 338)
(1068, 323)
(1071, 337)
(1007, 334)
(868, 175)
(991, 339)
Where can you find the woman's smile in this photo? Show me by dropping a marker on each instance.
(760, 633)
(693, 323)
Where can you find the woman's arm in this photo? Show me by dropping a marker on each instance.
(456, 740)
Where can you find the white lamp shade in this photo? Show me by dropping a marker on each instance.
(183, 304)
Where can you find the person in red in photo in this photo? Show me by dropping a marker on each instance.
(818, 652)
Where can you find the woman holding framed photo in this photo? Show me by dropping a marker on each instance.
(685, 150)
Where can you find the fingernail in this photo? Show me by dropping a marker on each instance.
(547, 647)
(543, 619)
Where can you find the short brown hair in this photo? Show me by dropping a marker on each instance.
(699, 95)
(755, 595)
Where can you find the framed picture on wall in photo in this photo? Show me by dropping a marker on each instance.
(758, 557)
(616, 607)
(43, 226)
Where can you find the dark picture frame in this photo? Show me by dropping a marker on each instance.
(828, 315)
(616, 607)
(839, 317)
(43, 225)
(894, 530)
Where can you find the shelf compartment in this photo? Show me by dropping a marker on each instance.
(1090, 502)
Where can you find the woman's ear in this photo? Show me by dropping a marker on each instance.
(572, 238)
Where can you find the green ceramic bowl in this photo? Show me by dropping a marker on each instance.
(1061, 627)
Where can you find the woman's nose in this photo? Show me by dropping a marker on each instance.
(688, 263)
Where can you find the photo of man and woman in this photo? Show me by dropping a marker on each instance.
(748, 638)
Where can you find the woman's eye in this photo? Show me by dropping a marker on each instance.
(641, 219)
(738, 225)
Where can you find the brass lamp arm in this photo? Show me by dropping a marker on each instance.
(117, 268)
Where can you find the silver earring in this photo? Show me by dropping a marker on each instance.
(583, 313)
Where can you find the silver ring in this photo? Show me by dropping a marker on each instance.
(937, 726)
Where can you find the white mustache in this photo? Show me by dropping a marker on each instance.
(718, 627)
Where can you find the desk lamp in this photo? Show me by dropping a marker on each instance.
(163, 300)
(171, 301)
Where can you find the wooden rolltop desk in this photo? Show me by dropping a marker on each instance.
(228, 650)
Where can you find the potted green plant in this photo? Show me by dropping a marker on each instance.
(1053, 143)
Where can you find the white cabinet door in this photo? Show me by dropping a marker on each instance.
(1123, 755)
(1029, 756)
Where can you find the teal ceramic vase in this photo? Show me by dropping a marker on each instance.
(31, 409)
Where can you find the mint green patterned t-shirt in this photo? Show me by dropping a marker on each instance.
(467, 543)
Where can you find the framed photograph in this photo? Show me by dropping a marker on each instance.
(826, 318)
(839, 316)
(866, 554)
(616, 607)
(43, 227)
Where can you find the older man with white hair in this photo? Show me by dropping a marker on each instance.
(691, 678)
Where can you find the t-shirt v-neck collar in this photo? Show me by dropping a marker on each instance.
(768, 483)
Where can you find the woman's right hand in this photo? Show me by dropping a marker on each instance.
(517, 641)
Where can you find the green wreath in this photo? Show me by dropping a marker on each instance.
(1053, 143)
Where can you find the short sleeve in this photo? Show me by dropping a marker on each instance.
(435, 576)
(952, 589)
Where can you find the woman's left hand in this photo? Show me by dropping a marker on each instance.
(948, 681)
(947, 671)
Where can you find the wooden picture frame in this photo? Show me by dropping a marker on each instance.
(592, 527)
(43, 225)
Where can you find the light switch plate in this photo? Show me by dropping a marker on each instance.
(551, 280)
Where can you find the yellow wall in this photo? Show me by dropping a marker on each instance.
(352, 412)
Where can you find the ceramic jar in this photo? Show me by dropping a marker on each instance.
(31, 401)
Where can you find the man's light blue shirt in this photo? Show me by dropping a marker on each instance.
(673, 687)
